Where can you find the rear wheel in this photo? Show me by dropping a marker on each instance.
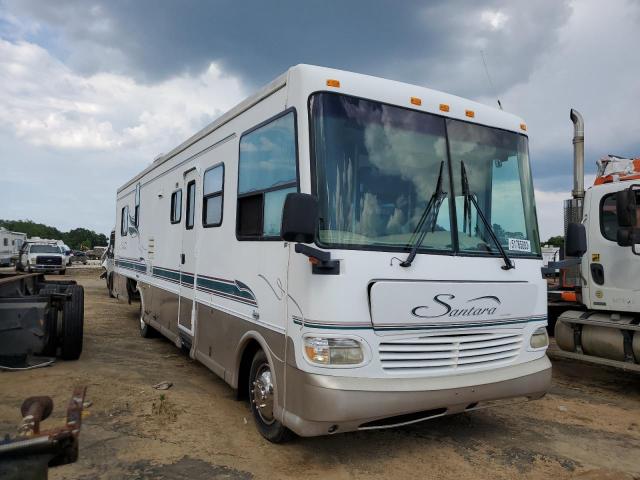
(72, 324)
(261, 397)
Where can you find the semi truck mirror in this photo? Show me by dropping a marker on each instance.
(299, 218)
(576, 241)
(626, 207)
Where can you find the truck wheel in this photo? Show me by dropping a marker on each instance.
(63, 271)
(72, 324)
(261, 398)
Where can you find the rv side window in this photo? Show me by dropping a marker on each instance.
(136, 212)
(191, 204)
(213, 196)
(267, 172)
(124, 221)
(176, 206)
(6, 242)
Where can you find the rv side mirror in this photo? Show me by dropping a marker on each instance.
(626, 207)
(575, 244)
(299, 218)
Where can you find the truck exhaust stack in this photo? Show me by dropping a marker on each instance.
(578, 154)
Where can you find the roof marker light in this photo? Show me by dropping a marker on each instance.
(444, 107)
(333, 83)
(470, 113)
(416, 101)
(523, 127)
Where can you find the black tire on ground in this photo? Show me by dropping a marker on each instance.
(62, 272)
(146, 330)
(110, 285)
(72, 324)
(272, 430)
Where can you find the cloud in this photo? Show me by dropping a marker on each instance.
(594, 69)
(69, 141)
(46, 104)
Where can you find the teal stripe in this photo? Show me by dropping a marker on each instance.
(405, 328)
(223, 287)
(131, 266)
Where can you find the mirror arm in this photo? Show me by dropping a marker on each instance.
(319, 255)
(321, 260)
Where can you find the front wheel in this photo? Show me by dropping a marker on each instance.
(261, 397)
(146, 330)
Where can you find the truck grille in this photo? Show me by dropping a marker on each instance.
(442, 353)
(44, 260)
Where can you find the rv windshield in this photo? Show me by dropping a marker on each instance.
(377, 168)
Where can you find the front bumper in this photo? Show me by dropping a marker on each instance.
(322, 404)
(47, 268)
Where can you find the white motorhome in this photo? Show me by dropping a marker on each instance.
(348, 252)
(10, 243)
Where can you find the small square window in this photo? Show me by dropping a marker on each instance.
(176, 206)
(212, 196)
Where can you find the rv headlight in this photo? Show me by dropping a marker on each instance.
(333, 351)
(539, 339)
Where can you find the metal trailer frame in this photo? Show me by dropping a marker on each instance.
(37, 317)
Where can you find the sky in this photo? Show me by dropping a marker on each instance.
(92, 91)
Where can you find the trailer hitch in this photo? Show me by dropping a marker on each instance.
(32, 452)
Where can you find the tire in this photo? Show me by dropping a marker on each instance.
(146, 330)
(72, 324)
(110, 285)
(261, 396)
(62, 272)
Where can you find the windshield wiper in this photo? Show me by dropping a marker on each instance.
(469, 196)
(428, 218)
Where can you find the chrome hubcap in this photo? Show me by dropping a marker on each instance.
(262, 394)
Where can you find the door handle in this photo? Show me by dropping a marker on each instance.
(182, 258)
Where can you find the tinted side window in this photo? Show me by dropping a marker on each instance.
(608, 217)
(124, 221)
(136, 212)
(267, 172)
(176, 206)
(191, 204)
(213, 196)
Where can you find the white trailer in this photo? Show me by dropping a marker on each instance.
(10, 243)
(349, 252)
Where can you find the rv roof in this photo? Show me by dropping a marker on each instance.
(389, 91)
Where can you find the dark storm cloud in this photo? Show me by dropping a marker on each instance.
(436, 43)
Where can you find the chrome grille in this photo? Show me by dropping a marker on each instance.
(449, 352)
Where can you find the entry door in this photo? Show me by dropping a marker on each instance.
(188, 253)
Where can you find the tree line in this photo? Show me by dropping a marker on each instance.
(76, 239)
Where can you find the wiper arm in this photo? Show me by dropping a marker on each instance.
(470, 197)
(428, 218)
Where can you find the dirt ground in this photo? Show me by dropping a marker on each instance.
(587, 427)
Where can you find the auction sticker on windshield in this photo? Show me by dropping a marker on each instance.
(519, 245)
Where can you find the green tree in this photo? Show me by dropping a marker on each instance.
(557, 241)
(75, 239)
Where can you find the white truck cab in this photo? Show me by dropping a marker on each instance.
(41, 256)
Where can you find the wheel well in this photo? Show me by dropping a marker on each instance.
(132, 290)
(244, 369)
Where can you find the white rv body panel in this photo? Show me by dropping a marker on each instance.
(261, 292)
